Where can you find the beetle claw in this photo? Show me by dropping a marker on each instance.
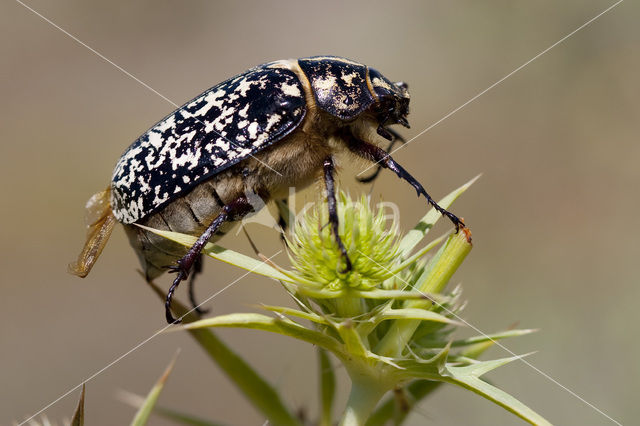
(172, 289)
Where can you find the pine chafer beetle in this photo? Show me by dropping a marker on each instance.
(275, 126)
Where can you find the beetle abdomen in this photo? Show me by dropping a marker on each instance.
(190, 214)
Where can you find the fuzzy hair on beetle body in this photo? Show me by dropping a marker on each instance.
(276, 126)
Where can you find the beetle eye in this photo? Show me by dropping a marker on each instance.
(402, 85)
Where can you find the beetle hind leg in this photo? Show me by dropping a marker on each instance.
(197, 270)
(232, 211)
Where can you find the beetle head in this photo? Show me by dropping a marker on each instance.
(393, 102)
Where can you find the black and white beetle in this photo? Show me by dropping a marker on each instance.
(275, 126)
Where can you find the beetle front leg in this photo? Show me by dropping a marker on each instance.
(372, 152)
(231, 211)
(396, 138)
(329, 168)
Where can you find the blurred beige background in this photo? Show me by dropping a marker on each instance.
(554, 216)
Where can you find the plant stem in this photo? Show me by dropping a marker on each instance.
(365, 395)
(348, 307)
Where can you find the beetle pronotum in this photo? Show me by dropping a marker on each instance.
(275, 126)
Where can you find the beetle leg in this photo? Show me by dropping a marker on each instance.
(329, 168)
(282, 222)
(396, 138)
(197, 269)
(231, 211)
(372, 152)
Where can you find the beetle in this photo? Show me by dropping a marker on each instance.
(275, 126)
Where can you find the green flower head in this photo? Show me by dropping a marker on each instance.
(370, 238)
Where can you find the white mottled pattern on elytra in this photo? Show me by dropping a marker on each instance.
(215, 130)
(348, 78)
(290, 89)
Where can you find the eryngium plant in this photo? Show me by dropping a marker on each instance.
(389, 320)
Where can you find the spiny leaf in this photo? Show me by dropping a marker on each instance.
(225, 255)
(405, 313)
(262, 322)
(482, 367)
(136, 401)
(426, 343)
(253, 386)
(296, 313)
(78, 416)
(142, 416)
(419, 389)
(503, 399)
(413, 237)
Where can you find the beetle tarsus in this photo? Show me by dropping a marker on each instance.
(332, 203)
(167, 302)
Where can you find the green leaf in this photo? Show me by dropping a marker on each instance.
(418, 314)
(405, 313)
(413, 237)
(491, 338)
(275, 325)
(497, 396)
(297, 313)
(483, 367)
(142, 416)
(231, 257)
(327, 387)
(419, 389)
(417, 255)
(136, 401)
(352, 341)
(255, 388)
(78, 416)
(468, 377)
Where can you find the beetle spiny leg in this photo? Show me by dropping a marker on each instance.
(167, 302)
(329, 167)
(396, 138)
(384, 133)
(232, 211)
(197, 269)
(373, 153)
